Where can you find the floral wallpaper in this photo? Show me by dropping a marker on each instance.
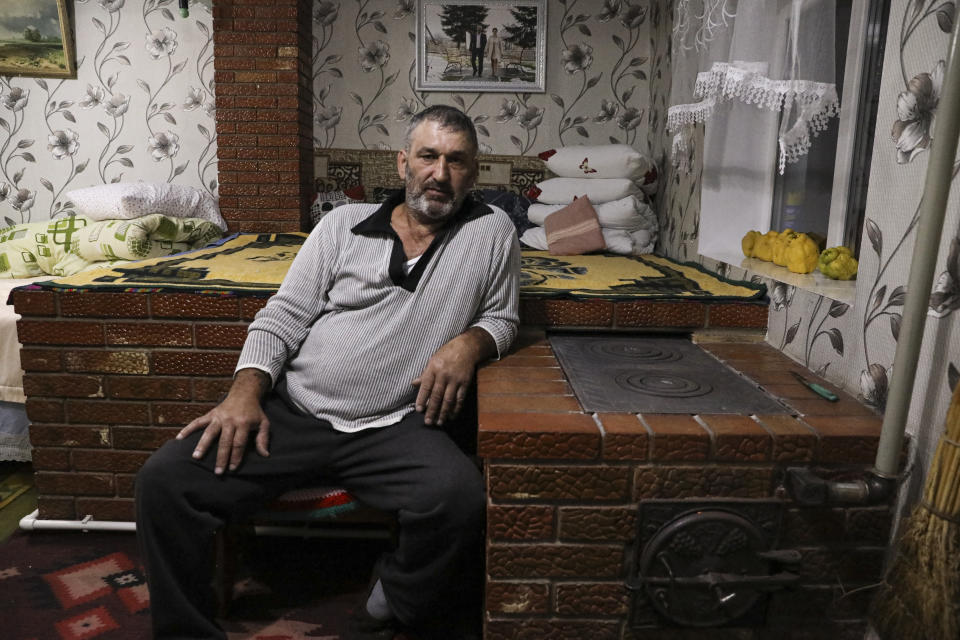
(140, 109)
(854, 345)
(597, 79)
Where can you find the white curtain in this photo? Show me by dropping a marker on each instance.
(759, 75)
(755, 55)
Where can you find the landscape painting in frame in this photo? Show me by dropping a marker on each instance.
(496, 45)
(35, 39)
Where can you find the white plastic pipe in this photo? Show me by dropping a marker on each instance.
(936, 192)
(32, 523)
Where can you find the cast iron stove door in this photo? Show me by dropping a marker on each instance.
(707, 564)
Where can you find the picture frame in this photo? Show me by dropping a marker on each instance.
(36, 39)
(449, 56)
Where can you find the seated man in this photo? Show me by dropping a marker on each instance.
(349, 374)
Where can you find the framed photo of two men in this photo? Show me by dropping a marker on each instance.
(494, 45)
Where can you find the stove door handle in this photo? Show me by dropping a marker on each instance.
(783, 556)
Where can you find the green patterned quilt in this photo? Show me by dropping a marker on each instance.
(68, 245)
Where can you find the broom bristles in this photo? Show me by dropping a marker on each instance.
(920, 596)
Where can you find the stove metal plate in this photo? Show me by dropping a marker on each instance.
(655, 375)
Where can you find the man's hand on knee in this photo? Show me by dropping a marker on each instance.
(229, 423)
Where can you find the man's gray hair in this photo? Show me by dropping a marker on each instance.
(449, 118)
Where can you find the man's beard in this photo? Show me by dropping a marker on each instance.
(431, 209)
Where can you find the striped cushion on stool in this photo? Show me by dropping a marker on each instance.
(310, 503)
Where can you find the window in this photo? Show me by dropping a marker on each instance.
(823, 192)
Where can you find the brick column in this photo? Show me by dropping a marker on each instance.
(262, 57)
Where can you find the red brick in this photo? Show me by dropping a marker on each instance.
(61, 385)
(734, 314)
(113, 461)
(532, 561)
(158, 334)
(235, 190)
(188, 305)
(527, 522)
(104, 305)
(624, 437)
(103, 361)
(538, 435)
(738, 438)
(518, 360)
(210, 389)
(49, 459)
(59, 332)
(234, 64)
(517, 375)
(586, 599)
(125, 485)
(552, 482)
(220, 335)
(594, 313)
(846, 440)
(74, 484)
(110, 510)
(661, 314)
(107, 412)
(258, 51)
(34, 303)
(597, 524)
(59, 435)
(488, 403)
(677, 437)
(259, 77)
(696, 481)
(530, 387)
(512, 598)
(43, 410)
(176, 414)
(792, 439)
(56, 508)
(198, 363)
(142, 438)
(148, 388)
(40, 359)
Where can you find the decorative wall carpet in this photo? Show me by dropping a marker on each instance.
(80, 586)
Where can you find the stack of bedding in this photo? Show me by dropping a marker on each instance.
(598, 201)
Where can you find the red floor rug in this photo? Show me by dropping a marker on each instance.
(76, 586)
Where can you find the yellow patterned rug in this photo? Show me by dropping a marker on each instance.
(255, 264)
(623, 278)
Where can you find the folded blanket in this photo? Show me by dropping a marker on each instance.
(65, 246)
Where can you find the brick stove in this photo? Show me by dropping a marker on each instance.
(567, 490)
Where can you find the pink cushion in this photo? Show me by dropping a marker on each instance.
(575, 229)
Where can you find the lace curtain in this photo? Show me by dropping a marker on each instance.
(754, 72)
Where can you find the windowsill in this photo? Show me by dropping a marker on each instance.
(816, 282)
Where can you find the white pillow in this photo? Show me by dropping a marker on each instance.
(618, 241)
(600, 161)
(599, 190)
(626, 213)
(126, 200)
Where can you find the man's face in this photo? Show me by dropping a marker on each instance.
(438, 169)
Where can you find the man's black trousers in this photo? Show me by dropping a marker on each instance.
(410, 469)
